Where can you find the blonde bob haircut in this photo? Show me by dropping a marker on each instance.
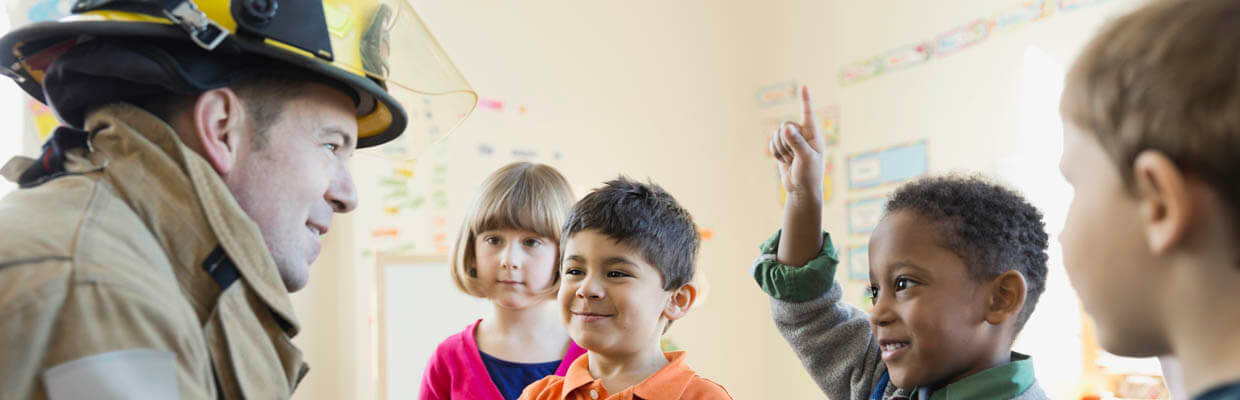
(522, 196)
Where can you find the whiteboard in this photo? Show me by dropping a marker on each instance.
(419, 307)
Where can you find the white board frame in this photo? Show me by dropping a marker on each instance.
(382, 261)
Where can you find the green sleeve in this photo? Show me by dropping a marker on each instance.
(796, 284)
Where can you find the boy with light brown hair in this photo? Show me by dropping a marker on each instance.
(1151, 114)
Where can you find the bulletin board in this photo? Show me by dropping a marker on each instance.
(421, 202)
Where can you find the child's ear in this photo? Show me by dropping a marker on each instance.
(1007, 297)
(681, 301)
(1162, 192)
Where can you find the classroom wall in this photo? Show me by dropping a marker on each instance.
(655, 90)
(668, 91)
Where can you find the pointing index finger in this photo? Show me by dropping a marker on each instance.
(811, 123)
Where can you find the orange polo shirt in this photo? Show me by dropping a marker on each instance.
(674, 381)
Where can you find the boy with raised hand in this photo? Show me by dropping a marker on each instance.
(956, 267)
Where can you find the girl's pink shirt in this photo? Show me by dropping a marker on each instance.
(456, 371)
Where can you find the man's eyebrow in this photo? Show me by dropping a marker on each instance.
(335, 130)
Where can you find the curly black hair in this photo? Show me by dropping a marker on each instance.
(992, 228)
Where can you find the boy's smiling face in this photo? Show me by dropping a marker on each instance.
(611, 299)
(929, 315)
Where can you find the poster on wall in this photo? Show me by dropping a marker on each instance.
(864, 214)
(420, 202)
(859, 263)
(890, 165)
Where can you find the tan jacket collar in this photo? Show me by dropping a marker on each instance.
(185, 203)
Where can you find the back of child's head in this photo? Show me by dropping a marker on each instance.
(521, 196)
(645, 218)
(993, 229)
(1167, 78)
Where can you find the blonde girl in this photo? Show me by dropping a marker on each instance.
(508, 253)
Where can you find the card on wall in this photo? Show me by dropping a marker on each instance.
(890, 165)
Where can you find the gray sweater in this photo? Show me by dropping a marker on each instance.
(834, 341)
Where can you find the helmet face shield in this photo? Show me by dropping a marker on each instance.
(411, 94)
(389, 43)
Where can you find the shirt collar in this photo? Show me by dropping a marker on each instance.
(1005, 381)
(665, 384)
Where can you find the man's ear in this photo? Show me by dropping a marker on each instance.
(1006, 297)
(1165, 203)
(681, 301)
(218, 126)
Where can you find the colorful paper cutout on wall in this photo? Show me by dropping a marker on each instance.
(891, 165)
(778, 93)
(861, 70)
(44, 120)
(498, 105)
(828, 124)
(1021, 15)
(384, 232)
(439, 199)
(828, 186)
(1073, 5)
(958, 39)
(524, 153)
(961, 38)
(491, 104)
(907, 56)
